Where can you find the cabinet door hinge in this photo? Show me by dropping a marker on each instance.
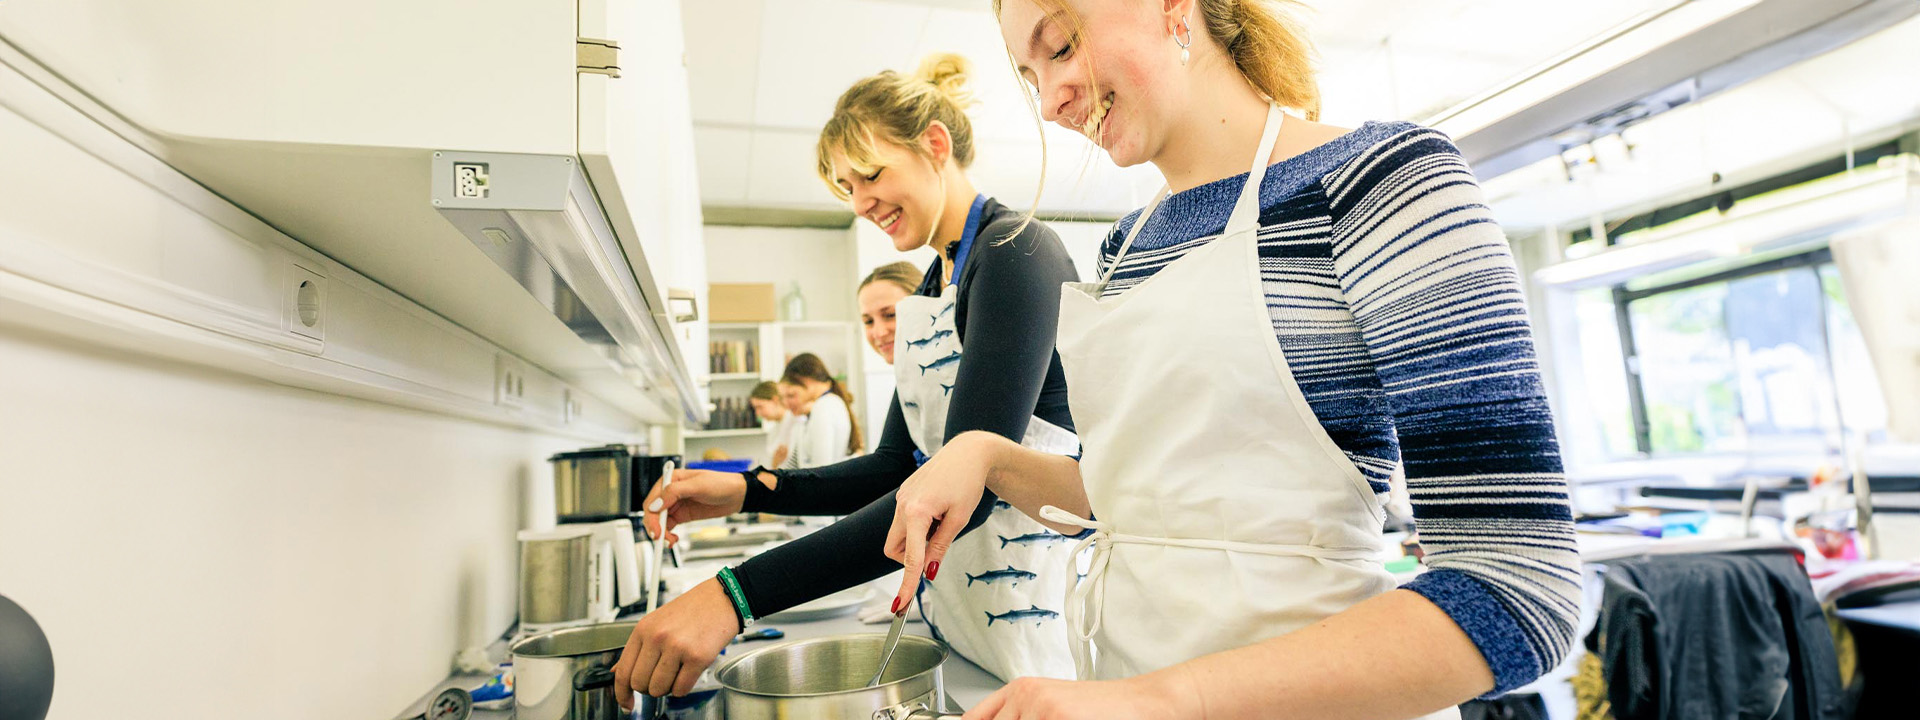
(593, 55)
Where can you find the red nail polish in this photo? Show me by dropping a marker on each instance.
(933, 568)
(896, 605)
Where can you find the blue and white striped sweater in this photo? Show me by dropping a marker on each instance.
(1396, 302)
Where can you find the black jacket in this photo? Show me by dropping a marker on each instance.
(1715, 636)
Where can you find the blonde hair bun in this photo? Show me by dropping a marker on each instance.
(897, 108)
(947, 72)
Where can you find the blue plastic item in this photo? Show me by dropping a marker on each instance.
(721, 465)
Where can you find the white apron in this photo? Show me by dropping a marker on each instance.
(1224, 515)
(997, 597)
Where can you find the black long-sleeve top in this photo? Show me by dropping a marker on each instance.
(1009, 298)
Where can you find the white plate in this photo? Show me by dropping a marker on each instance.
(834, 605)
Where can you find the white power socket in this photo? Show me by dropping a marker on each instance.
(306, 303)
(509, 382)
(470, 180)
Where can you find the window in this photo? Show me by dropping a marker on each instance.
(1762, 359)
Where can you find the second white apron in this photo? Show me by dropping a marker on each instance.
(997, 597)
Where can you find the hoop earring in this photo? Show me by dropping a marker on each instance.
(1184, 25)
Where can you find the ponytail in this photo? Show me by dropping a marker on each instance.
(854, 441)
(1269, 47)
(808, 366)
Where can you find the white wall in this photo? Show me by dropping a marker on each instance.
(201, 544)
(818, 259)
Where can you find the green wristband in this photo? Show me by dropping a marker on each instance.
(738, 596)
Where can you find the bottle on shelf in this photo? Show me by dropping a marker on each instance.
(793, 306)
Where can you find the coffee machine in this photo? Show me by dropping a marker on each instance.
(603, 483)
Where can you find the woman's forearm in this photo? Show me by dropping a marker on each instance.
(1030, 479)
(1396, 655)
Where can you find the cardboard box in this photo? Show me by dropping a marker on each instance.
(740, 303)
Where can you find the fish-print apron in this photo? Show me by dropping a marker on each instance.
(1224, 514)
(997, 597)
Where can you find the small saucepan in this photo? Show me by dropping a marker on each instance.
(568, 675)
(827, 678)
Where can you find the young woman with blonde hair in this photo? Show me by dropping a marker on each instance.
(883, 289)
(974, 354)
(1303, 311)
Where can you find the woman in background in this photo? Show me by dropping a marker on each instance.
(830, 434)
(781, 423)
(884, 288)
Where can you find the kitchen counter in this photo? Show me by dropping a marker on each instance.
(966, 683)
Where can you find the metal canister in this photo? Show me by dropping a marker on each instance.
(555, 587)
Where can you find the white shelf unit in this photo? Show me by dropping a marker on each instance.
(711, 434)
(837, 343)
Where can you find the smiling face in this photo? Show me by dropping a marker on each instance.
(876, 313)
(901, 193)
(1113, 76)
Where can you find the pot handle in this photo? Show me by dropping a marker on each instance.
(592, 678)
(911, 711)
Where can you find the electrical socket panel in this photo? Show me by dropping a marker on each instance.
(470, 180)
(510, 381)
(306, 303)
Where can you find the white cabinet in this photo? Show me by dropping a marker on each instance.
(321, 117)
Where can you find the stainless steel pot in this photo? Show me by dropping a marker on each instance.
(568, 675)
(827, 678)
(593, 484)
(550, 669)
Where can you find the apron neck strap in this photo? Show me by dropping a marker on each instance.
(1246, 210)
(1132, 233)
(964, 245)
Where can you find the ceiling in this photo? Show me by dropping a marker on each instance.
(765, 74)
(1855, 96)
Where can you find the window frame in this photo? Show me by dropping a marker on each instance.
(1629, 348)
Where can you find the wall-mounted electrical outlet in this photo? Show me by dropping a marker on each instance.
(509, 381)
(470, 180)
(306, 303)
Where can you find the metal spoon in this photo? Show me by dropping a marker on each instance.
(660, 541)
(659, 566)
(893, 642)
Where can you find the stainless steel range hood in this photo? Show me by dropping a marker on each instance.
(1653, 64)
(538, 218)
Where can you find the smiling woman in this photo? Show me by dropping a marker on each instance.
(878, 294)
(974, 353)
(1304, 311)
